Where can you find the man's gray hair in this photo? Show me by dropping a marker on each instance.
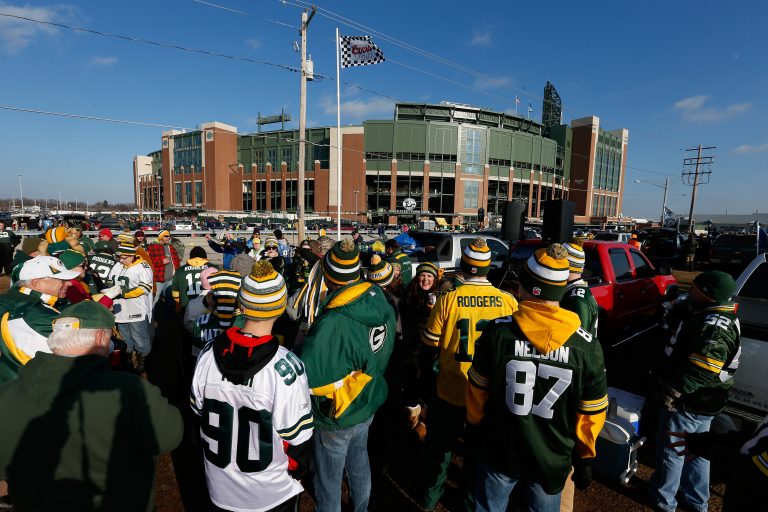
(62, 340)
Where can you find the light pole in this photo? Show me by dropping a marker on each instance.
(356, 213)
(21, 195)
(665, 186)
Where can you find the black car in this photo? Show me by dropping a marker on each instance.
(665, 245)
(733, 250)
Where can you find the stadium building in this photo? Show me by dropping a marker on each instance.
(450, 162)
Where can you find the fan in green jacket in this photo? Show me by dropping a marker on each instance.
(346, 354)
(577, 297)
(399, 260)
(81, 436)
(27, 310)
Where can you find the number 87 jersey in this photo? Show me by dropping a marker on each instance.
(538, 386)
(246, 428)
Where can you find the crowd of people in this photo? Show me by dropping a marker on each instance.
(307, 369)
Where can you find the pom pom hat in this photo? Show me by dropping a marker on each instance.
(575, 256)
(545, 273)
(54, 235)
(341, 265)
(476, 258)
(263, 293)
(380, 272)
(715, 285)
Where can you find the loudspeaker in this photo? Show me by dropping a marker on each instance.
(513, 221)
(558, 221)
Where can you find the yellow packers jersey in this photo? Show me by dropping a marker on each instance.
(454, 325)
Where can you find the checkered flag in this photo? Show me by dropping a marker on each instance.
(359, 51)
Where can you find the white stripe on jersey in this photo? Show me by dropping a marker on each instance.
(137, 308)
(277, 399)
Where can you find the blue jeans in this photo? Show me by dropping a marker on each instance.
(492, 490)
(136, 336)
(672, 470)
(336, 450)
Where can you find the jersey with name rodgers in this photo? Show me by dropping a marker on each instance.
(454, 325)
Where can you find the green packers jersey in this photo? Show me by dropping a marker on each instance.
(205, 330)
(703, 356)
(456, 321)
(534, 399)
(579, 299)
(186, 283)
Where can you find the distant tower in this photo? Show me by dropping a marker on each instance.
(552, 109)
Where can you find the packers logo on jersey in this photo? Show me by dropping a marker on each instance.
(376, 337)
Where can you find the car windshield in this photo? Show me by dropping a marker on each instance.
(428, 245)
(736, 240)
(607, 236)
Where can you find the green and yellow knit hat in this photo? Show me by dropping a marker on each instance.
(427, 267)
(576, 256)
(263, 294)
(380, 272)
(476, 258)
(545, 273)
(341, 265)
(71, 258)
(55, 235)
(126, 248)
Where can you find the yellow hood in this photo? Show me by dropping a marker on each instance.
(546, 327)
(197, 262)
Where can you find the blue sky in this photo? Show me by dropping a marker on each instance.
(675, 74)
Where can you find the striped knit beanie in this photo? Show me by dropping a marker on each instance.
(163, 233)
(476, 258)
(263, 294)
(271, 241)
(55, 235)
(545, 273)
(225, 285)
(427, 267)
(380, 272)
(576, 257)
(126, 248)
(125, 238)
(341, 265)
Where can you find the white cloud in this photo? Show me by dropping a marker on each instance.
(16, 34)
(748, 148)
(254, 43)
(481, 37)
(492, 82)
(104, 61)
(692, 109)
(359, 109)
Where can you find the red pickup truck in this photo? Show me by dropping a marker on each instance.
(628, 289)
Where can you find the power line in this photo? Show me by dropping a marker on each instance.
(88, 118)
(225, 8)
(153, 43)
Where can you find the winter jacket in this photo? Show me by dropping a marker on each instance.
(156, 255)
(346, 354)
(82, 437)
(26, 318)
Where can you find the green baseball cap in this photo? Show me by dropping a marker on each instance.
(716, 285)
(85, 315)
(71, 258)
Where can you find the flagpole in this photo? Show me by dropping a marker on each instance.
(339, 139)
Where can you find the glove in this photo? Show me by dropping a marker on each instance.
(582, 473)
(113, 292)
(669, 397)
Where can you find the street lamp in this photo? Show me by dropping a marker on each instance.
(665, 186)
(356, 212)
(21, 195)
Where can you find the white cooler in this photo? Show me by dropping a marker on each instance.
(618, 441)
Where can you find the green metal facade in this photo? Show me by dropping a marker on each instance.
(283, 146)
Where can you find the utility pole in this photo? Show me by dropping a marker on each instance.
(306, 17)
(664, 206)
(693, 175)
